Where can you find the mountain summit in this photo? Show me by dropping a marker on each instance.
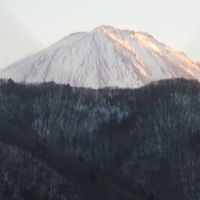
(105, 57)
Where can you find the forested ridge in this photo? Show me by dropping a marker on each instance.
(147, 138)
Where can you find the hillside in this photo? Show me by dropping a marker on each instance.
(32, 169)
(147, 137)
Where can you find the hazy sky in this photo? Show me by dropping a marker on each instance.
(27, 26)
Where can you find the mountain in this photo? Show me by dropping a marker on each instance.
(105, 57)
(146, 138)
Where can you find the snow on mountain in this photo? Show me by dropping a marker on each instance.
(105, 57)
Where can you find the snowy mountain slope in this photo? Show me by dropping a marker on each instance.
(104, 57)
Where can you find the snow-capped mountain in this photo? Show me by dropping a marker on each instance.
(105, 57)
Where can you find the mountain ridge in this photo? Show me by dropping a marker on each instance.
(104, 57)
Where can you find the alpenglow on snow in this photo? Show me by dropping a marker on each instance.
(105, 57)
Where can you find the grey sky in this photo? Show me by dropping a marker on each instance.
(29, 25)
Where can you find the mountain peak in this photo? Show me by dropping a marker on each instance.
(105, 57)
(101, 27)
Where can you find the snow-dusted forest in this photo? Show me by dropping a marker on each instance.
(146, 139)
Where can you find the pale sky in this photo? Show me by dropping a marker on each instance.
(27, 26)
